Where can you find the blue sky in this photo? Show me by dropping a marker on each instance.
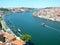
(30, 3)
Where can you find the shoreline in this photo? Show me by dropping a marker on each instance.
(43, 17)
(52, 13)
(5, 28)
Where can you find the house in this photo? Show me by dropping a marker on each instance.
(18, 42)
(1, 37)
(9, 38)
(2, 44)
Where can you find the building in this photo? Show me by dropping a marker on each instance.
(9, 38)
(1, 37)
(18, 42)
(2, 44)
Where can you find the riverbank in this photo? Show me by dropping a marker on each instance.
(31, 25)
(5, 28)
(15, 10)
(49, 13)
(44, 17)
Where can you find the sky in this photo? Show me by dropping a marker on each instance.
(29, 3)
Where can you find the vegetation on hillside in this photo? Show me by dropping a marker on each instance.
(26, 37)
(4, 9)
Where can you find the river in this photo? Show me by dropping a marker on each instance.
(28, 24)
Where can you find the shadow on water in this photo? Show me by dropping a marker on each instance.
(30, 43)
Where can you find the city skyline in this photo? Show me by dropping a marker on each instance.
(29, 3)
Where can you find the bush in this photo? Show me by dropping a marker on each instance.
(26, 37)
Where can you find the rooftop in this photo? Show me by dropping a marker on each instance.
(18, 42)
(1, 33)
(12, 39)
(2, 44)
(8, 36)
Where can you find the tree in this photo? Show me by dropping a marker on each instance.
(26, 37)
(0, 26)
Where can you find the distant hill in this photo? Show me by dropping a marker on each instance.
(4, 9)
(50, 7)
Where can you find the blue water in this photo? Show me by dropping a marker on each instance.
(48, 35)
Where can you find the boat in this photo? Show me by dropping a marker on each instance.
(19, 30)
(43, 24)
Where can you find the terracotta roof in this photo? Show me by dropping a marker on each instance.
(18, 42)
(1, 33)
(2, 44)
(9, 37)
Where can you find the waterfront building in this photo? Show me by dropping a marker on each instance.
(49, 13)
(1, 37)
(18, 42)
(7, 39)
(2, 44)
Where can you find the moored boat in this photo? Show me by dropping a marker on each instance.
(43, 24)
(19, 30)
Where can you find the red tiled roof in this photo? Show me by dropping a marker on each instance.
(1, 33)
(18, 42)
(2, 44)
(58, 15)
(9, 37)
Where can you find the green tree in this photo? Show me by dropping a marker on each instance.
(0, 26)
(26, 37)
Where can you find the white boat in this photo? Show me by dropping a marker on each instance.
(19, 30)
(43, 24)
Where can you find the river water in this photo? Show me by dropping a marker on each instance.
(28, 24)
